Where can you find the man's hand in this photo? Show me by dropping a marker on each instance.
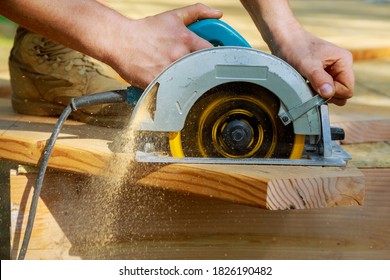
(327, 67)
(149, 45)
(137, 49)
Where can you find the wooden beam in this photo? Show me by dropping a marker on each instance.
(79, 148)
(361, 54)
(270, 187)
(79, 219)
(370, 155)
(87, 149)
(5, 88)
(367, 131)
(366, 117)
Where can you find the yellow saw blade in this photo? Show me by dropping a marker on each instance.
(236, 120)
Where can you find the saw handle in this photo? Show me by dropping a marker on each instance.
(218, 33)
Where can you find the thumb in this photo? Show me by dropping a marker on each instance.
(322, 82)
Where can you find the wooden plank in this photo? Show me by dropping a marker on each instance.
(270, 187)
(5, 88)
(370, 155)
(80, 148)
(86, 149)
(361, 54)
(367, 131)
(47, 236)
(79, 219)
(366, 117)
(22, 138)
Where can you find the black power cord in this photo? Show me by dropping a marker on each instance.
(130, 95)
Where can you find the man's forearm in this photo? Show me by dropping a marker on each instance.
(274, 19)
(67, 22)
(137, 49)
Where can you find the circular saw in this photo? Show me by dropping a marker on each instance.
(233, 104)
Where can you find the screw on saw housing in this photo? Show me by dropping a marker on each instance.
(296, 112)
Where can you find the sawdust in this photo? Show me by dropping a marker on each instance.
(119, 201)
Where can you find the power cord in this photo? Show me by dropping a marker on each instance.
(130, 95)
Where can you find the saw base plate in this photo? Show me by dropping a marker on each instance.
(338, 158)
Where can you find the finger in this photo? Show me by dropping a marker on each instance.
(343, 91)
(344, 81)
(195, 12)
(321, 81)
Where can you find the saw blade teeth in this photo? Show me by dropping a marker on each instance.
(237, 120)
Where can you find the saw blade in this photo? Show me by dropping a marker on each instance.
(236, 120)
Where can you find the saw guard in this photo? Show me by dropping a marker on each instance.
(166, 102)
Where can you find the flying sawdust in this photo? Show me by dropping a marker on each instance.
(119, 201)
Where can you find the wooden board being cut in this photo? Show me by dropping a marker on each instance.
(78, 219)
(271, 187)
(86, 149)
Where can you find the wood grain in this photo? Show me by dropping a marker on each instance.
(368, 131)
(79, 147)
(86, 149)
(270, 187)
(361, 54)
(78, 220)
(370, 155)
